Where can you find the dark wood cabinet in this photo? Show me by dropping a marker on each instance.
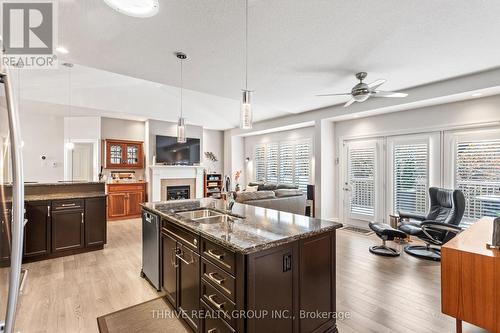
(5, 218)
(37, 229)
(169, 271)
(68, 225)
(95, 229)
(123, 154)
(181, 275)
(189, 285)
(124, 200)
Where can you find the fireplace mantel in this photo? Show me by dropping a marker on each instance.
(159, 172)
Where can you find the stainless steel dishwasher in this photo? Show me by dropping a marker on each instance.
(151, 249)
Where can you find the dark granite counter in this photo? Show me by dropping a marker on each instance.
(57, 191)
(253, 228)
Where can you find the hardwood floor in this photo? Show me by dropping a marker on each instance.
(381, 294)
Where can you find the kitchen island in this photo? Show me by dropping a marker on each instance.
(248, 269)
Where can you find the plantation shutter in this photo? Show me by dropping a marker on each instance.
(260, 162)
(286, 163)
(477, 174)
(411, 177)
(362, 180)
(272, 163)
(302, 164)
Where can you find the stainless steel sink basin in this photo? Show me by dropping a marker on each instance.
(215, 219)
(200, 214)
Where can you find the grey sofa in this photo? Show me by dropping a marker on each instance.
(282, 197)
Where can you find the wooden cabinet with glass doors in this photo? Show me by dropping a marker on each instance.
(123, 154)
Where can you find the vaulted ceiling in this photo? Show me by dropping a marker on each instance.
(297, 48)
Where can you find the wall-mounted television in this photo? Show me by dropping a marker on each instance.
(169, 151)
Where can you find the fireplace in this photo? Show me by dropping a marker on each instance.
(178, 192)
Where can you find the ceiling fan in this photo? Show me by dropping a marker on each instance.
(362, 91)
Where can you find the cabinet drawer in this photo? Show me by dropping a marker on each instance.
(222, 257)
(185, 237)
(218, 278)
(125, 187)
(67, 204)
(217, 301)
(212, 323)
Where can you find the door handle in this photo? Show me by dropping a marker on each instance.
(219, 306)
(213, 277)
(215, 255)
(212, 330)
(48, 211)
(82, 217)
(173, 256)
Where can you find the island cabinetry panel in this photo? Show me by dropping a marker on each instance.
(68, 225)
(124, 200)
(181, 272)
(317, 282)
(95, 222)
(273, 289)
(37, 229)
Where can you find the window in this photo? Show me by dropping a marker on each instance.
(410, 177)
(477, 174)
(286, 162)
(361, 175)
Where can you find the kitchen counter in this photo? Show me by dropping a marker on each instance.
(57, 191)
(254, 228)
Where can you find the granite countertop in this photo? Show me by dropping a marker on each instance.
(254, 228)
(59, 196)
(56, 183)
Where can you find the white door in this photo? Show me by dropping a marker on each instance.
(363, 195)
(82, 162)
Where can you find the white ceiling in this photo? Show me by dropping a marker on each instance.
(297, 48)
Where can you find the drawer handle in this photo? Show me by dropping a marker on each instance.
(68, 205)
(213, 330)
(215, 255)
(212, 276)
(219, 306)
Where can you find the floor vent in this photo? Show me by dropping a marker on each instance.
(362, 231)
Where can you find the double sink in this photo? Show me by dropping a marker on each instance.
(207, 216)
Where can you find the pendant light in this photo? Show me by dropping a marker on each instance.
(69, 145)
(246, 106)
(181, 123)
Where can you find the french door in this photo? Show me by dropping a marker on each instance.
(363, 198)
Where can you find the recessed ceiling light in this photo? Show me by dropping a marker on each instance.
(62, 49)
(477, 94)
(135, 8)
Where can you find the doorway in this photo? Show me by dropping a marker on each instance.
(82, 161)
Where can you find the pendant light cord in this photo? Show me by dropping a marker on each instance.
(182, 85)
(246, 44)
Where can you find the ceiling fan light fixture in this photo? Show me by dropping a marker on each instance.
(135, 8)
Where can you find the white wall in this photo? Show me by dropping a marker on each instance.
(213, 141)
(251, 141)
(43, 135)
(476, 112)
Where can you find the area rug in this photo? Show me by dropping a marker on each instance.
(153, 316)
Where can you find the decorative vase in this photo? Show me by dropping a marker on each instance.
(237, 188)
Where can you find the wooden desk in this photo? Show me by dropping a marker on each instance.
(470, 278)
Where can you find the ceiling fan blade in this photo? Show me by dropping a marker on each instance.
(380, 93)
(352, 100)
(344, 94)
(375, 84)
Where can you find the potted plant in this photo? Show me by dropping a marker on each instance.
(237, 175)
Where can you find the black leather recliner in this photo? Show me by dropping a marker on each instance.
(437, 227)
